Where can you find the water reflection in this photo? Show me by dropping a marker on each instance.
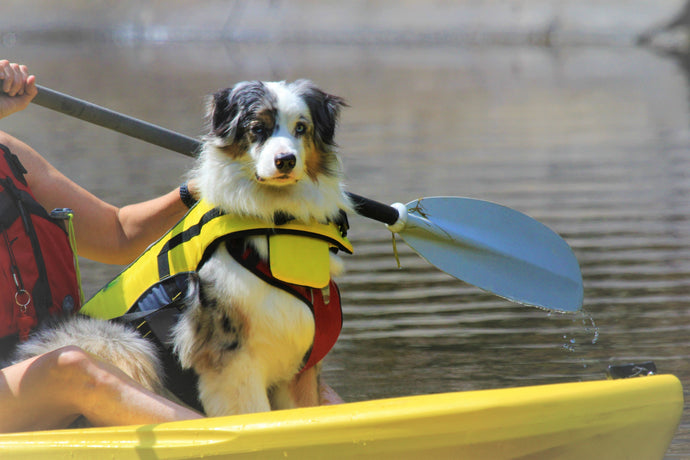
(592, 142)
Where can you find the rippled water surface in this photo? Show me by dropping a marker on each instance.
(592, 142)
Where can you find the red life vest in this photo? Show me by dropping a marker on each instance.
(37, 274)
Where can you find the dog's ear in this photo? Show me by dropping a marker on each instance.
(325, 110)
(230, 109)
(222, 116)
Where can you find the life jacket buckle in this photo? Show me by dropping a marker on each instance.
(325, 294)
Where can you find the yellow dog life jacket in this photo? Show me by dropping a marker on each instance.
(299, 254)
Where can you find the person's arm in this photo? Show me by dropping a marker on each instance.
(104, 232)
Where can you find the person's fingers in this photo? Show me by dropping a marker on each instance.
(23, 75)
(5, 75)
(30, 89)
(17, 80)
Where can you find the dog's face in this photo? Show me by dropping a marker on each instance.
(270, 147)
(284, 130)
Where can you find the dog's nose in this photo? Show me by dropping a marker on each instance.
(285, 161)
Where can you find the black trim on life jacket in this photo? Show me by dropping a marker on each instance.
(181, 238)
(282, 218)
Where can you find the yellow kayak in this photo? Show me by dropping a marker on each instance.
(611, 419)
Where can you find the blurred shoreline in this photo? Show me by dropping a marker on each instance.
(533, 22)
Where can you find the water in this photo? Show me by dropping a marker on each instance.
(593, 142)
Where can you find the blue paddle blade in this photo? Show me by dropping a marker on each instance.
(496, 249)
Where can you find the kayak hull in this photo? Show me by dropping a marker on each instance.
(612, 419)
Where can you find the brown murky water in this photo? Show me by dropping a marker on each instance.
(593, 142)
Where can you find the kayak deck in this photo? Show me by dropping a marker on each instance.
(612, 419)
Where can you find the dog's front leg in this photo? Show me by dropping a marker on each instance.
(237, 388)
(210, 338)
(280, 396)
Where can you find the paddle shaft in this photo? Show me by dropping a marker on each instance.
(106, 118)
(170, 140)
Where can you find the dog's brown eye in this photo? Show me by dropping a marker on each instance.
(300, 128)
(258, 130)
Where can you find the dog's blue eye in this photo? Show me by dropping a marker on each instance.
(258, 130)
(300, 128)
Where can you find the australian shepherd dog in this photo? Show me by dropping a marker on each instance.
(270, 151)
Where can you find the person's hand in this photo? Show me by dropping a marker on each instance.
(17, 87)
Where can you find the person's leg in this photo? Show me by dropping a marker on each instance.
(52, 390)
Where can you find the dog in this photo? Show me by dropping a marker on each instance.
(269, 153)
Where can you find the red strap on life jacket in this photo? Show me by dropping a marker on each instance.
(328, 319)
(327, 311)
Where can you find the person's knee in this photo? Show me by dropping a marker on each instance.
(82, 369)
(71, 366)
(84, 374)
(71, 357)
(63, 376)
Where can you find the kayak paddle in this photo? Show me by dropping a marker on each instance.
(485, 244)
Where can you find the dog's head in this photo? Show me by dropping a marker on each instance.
(271, 148)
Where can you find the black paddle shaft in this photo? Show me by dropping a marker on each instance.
(124, 124)
(170, 140)
(374, 209)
